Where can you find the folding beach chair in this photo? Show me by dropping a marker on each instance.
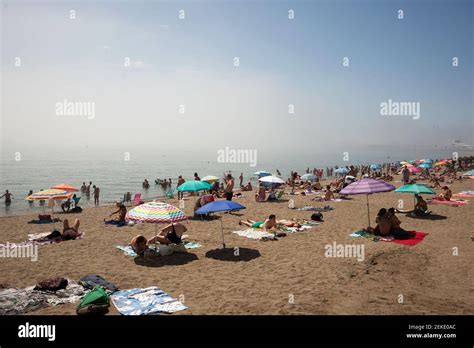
(137, 199)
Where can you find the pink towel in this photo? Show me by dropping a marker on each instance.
(451, 202)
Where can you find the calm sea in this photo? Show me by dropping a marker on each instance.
(116, 177)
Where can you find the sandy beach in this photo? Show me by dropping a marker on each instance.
(287, 276)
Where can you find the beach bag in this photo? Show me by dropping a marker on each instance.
(51, 284)
(42, 217)
(317, 217)
(94, 302)
(90, 281)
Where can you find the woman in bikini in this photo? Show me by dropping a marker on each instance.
(171, 234)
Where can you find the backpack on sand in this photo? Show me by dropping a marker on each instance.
(94, 302)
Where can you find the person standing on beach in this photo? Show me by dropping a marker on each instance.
(83, 187)
(241, 178)
(96, 195)
(180, 182)
(406, 175)
(88, 190)
(229, 187)
(196, 177)
(8, 197)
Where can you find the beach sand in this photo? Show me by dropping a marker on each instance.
(288, 276)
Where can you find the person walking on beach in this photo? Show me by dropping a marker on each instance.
(96, 195)
(406, 175)
(229, 187)
(8, 197)
(241, 178)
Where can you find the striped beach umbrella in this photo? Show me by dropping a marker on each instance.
(49, 195)
(367, 186)
(65, 187)
(155, 212)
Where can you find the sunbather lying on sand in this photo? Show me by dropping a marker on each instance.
(69, 232)
(268, 224)
(288, 223)
(173, 233)
(329, 195)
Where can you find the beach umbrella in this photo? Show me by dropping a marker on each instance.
(426, 165)
(341, 170)
(220, 206)
(193, 186)
(429, 160)
(416, 189)
(309, 177)
(65, 187)
(367, 186)
(49, 195)
(210, 178)
(271, 179)
(414, 170)
(262, 173)
(376, 166)
(469, 173)
(155, 213)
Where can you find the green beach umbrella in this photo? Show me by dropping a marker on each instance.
(193, 186)
(416, 189)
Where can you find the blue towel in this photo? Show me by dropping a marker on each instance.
(145, 301)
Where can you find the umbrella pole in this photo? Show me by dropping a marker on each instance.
(222, 232)
(368, 209)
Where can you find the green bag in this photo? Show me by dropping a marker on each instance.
(95, 301)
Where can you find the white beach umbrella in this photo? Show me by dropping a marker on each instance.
(271, 179)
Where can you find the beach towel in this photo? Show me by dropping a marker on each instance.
(37, 239)
(414, 240)
(115, 223)
(43, 221)
(317, 209)
(127, 249)
(451, 202)
(15, 301)
(145, 301)
(253, 233)
(361, 234)
(468, 194)
(90, 281)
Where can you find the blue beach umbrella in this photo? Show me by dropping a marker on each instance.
(262, 173)
(309, 177)
(426, 165)
(220, 206)
(341, 170)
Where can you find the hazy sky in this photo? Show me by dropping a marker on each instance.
(190, 62)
